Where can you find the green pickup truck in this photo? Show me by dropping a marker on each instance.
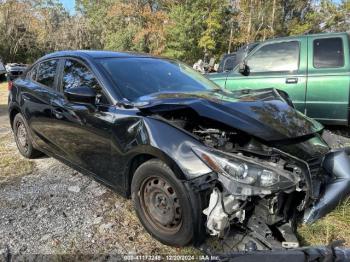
(313, 69)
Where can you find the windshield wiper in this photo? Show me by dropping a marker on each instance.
(125, 103)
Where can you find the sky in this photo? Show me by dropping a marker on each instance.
(69, 5)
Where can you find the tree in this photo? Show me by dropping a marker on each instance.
(136, 25)
(183, 29)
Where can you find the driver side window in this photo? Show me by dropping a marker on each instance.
(275, 57)
(76, 74)
(229, 63)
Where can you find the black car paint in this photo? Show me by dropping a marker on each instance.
(102, 140)
(54, 119)
(263, 114)
(107, 141)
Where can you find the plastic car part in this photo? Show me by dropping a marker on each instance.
(336, 163)
(220, 211)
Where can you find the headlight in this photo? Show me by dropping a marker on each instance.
(250, 177)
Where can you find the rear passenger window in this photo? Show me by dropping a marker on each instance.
(46, 73)
(328, 53)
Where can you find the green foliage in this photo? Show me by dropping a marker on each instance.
(182, 29)
(212, 24)
(183, 32)
(196, 28)
(327, 17)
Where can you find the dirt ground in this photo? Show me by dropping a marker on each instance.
(48, 208)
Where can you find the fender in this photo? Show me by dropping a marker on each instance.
(133, 136)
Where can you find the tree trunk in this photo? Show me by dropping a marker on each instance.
(273, 18)
(249, 29)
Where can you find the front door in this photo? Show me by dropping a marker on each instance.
(83, 131)
(276, 64)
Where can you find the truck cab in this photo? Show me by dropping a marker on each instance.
(313, 69)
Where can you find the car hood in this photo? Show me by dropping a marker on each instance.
(262, 113)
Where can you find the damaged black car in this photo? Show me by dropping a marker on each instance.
(197, 160)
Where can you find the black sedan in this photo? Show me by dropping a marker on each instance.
(195, 159)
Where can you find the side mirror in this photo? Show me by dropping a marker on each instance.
(82, 94)
(244, 69)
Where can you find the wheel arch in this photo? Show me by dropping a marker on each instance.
(140, 158)
(12, 113)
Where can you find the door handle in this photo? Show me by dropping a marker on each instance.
(292, 80)
(58, 113)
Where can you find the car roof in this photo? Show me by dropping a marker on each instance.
(230, 54)
(306, 36)
(94, 54)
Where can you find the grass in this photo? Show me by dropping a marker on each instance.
(12, 164)
(335, 225)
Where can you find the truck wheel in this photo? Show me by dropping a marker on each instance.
(22, 138)
(162, 203)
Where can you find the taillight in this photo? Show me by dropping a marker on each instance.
(9, 85)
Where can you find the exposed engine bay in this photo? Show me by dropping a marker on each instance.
(261, 192)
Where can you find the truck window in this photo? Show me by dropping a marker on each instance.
(328, 53)
(229, 63)
(275, 57)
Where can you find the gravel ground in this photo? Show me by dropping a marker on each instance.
(49, 208)
(54, 209)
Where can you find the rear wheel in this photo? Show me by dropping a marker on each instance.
(162, 203)
(22, 138)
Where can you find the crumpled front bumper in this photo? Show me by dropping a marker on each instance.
(337, 166)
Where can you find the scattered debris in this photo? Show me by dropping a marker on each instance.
(74, 189)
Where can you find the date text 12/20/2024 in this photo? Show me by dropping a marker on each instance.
(170, 258)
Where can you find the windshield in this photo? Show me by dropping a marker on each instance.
(137, 77)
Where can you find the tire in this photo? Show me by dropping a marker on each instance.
(23, 138)
(154, 183)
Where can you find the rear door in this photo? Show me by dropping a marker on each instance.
(38, 88)
(327, 97)
(278, 64)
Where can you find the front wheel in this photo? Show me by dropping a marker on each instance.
(162, 203)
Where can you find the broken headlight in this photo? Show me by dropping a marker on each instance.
(249, 176)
